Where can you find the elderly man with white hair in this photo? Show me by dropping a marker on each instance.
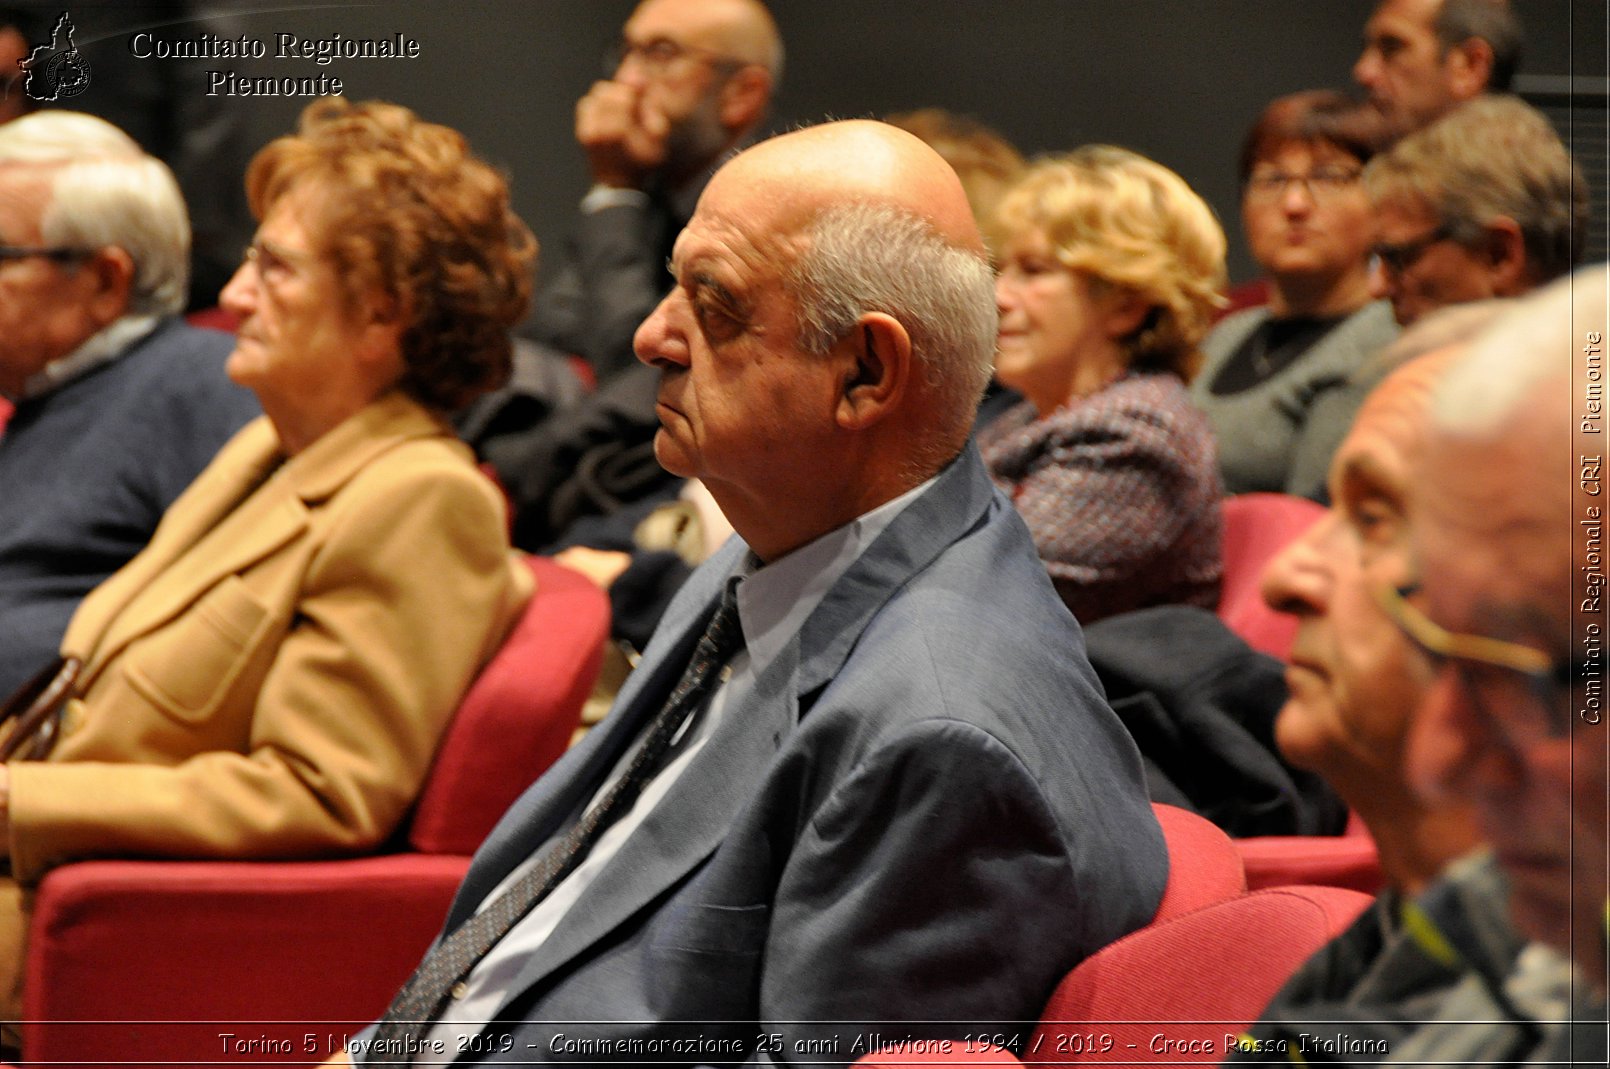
(1508, 610)
(118, 405)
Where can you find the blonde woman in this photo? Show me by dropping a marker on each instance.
(1110, 270)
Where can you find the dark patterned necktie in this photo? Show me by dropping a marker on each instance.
(422, 999)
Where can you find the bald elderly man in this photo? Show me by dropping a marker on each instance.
(902, 808)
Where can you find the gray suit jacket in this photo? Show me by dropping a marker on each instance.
(925, 816)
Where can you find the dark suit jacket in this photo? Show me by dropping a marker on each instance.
(589, 457)
(87, 471)
(925, 815)
(607, 280)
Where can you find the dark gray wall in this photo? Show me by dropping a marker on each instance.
(1176, 79)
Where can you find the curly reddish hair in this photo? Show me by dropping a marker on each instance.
(406, 210)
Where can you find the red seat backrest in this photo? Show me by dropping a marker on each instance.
(1256, 528)
(1204, 865)
(518, 715)
(1207, 974)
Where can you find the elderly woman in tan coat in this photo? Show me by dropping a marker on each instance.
(270, 677)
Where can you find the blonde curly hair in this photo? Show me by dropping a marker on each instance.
(405, 209)
(1129, 223)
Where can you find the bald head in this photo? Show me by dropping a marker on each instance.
(845, 259)
(858, 162)
(875, 220)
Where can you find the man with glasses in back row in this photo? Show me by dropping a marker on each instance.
(118, 404)
(1468, 527)
(689, 81)
(1484, 202)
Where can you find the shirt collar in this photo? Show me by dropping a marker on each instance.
(776, 599)
(102, 347)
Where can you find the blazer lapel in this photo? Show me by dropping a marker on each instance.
(686, 827)
(691, 821)
(955, 504)
(144, 593)
(561, 791)
(246, 506)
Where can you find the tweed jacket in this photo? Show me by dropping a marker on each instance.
(270, 677)
(1121, 492)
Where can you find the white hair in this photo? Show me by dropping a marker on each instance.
(106, 191)
(1538, 340)
(861, 258)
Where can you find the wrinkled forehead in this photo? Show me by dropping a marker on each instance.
(1406, 18)
(758, 222)
(1491, 525)
(24, 194)
(1386, 441)
(1395, 418)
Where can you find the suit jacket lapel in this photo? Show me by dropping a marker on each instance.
(685, 828)
(231, 518)
(144, 593)
(692, 820)
(953, 505)
(560, 792)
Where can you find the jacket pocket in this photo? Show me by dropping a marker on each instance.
(187, 667)
(704, 929)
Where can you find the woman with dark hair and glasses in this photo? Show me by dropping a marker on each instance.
(1274, 379)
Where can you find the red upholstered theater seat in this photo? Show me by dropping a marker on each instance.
(1253, 293)
(1204, 865)
(1172, 992)
(1256, 528)
(214, 319)
(1348, 860)
(519, 714)
(1191, 980)
(160, 960)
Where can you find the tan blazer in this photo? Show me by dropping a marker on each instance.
(270, 677)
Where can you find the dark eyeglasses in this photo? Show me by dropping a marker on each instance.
(1322, 183)
(1504, 679)
(1398, 257)
(59, 253)
(657, 55)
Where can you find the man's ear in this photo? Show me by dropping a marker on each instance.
(1467, 68)
(878, 372)
(111, 271)
(1504, 251)
(744, 97)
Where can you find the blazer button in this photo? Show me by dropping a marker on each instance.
(459, 990)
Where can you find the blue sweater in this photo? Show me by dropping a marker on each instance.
(87, 470)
